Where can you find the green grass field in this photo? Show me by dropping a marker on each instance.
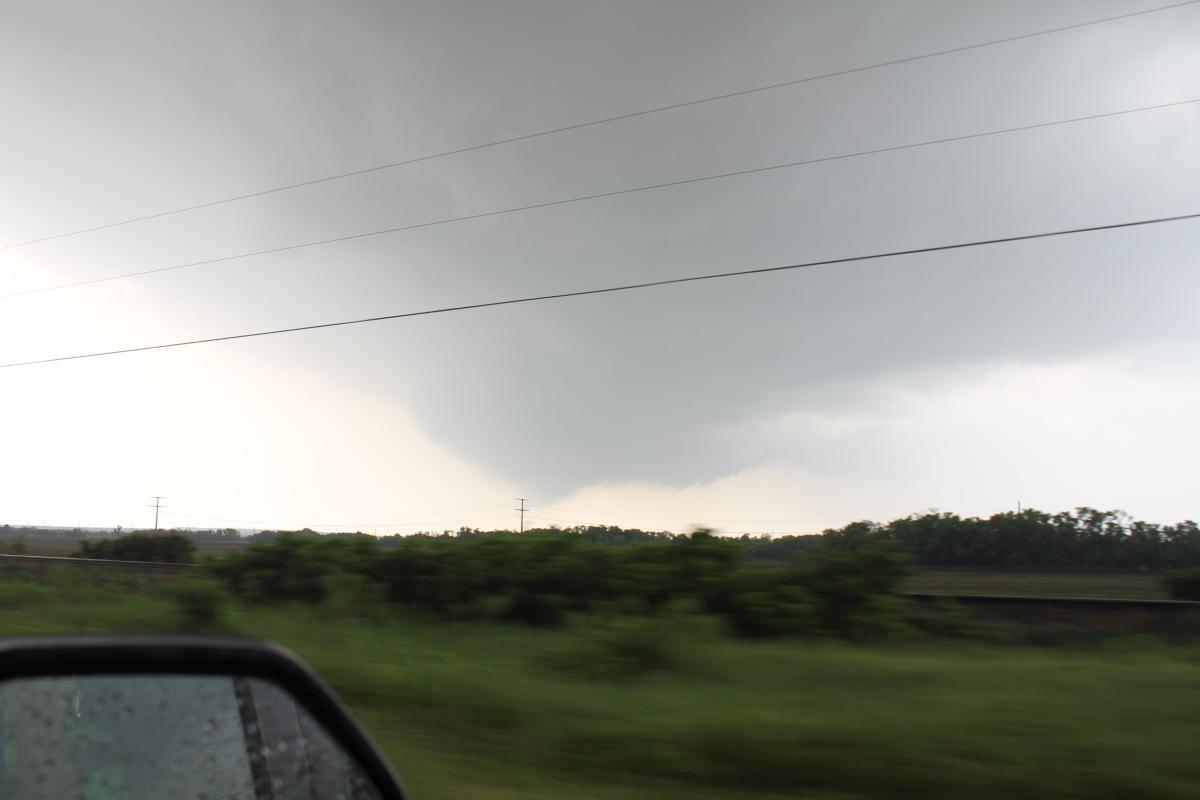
(642, 709)
(1040, 584)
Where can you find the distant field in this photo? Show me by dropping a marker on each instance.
(49, 546)
(1042, 584)
(54, 546)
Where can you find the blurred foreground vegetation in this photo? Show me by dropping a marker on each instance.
(551, 666)
(609, 704)
(541, 580)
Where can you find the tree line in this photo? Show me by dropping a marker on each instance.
(1084, 539)
(8, 531)
(845, 581)
(542, 578)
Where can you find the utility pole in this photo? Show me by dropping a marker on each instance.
(522, 509)
(1018, 506)
(156, 506)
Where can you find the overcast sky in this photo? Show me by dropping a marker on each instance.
(1056, 373)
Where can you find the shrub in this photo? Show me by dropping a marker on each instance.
(855, 593)
(539, 579)
(780, 610)
(942, 617)
(288, 568)
(852, 594)
(759, 604)
(199, 602)
(1184, 585)
(619, 650)
(166, 547)
(353, 596)
(537, 609)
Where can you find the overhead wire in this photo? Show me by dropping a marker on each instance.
(600, 195)
(688, 519)
(397, 517)
(608, 120)
(358, 526)
(731, 529)
(620, 288)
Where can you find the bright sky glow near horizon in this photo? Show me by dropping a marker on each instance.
(1057, 373)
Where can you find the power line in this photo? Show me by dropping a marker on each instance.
(731, 529)
(607, 120)
(396, 518)
(359, 525)
(693, 518)
(600, 195)
(622, 288)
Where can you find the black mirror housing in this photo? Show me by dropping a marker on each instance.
(201, 656)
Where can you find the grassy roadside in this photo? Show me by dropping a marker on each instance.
(635, 710)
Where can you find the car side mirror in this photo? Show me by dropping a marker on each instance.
(176, 718)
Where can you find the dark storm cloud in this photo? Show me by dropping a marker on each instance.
(168, 107)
